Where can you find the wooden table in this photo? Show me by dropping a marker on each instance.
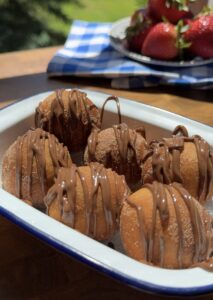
(30, 269)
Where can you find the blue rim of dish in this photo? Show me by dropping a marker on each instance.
(123, 278)
(139, 284)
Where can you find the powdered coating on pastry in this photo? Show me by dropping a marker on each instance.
(91, 193)
(119, 148)
(173, 221)
(34, 159)
(164, 163)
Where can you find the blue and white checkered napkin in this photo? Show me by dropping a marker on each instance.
(87, 52)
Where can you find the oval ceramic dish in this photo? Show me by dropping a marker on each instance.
(117, 35)
(17, 118)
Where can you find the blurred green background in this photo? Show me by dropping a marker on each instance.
(26, 24)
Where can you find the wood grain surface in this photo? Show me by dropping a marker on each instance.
(30, 269)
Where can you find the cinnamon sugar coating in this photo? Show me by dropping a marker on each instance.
(119, 148)
(88, 199)
(183, 159)
(164, 226)
(30, 165)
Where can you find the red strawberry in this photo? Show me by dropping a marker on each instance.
(135, 44)
(160, 42)
(136, 33)
(200, 35)
(187, 22)
(172, 10)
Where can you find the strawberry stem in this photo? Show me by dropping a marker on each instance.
(139, 23)
(181, 44)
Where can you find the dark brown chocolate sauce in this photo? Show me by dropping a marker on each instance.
(114, 98)
(180, 130)
(202, 229)
(166, 161)
(70, 118)
(129, 160)
(92, 143)
(123, 140)
(64, 192)
(206, 265)
(35, 142)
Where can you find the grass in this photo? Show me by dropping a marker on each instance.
(96, 10)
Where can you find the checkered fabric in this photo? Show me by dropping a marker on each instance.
(87, 52)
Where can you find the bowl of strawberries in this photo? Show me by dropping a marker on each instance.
(167, 33)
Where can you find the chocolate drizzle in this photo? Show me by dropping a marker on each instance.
(114, 98)
(34, 145)
(166, 161)
(206, 265)
(64, 192)
(180, 130)
(126, 157)
(123, 151)
(71, 117)
(202, 228)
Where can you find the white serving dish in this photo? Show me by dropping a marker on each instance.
(17, 118)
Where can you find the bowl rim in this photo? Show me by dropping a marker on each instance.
(17, 216)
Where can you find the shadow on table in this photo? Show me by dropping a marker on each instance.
(31, 269)
(28, 85)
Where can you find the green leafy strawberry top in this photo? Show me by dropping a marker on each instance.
(140, 23)
(181, 43)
